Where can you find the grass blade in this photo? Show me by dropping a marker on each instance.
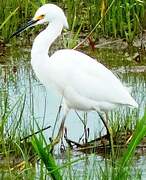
(8, 18)
(47, 158)
(139, 133)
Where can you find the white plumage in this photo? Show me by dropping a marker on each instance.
(84, 83)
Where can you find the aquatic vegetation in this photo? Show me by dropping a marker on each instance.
(25, 149)
(35, 149)
(46, 156)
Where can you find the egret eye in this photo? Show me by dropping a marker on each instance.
(40, 17)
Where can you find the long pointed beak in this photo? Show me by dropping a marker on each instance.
(28, 24)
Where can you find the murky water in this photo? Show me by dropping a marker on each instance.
(18, 80)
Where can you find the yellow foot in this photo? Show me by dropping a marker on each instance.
(55, 141)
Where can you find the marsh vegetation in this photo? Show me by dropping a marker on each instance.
(114, 33)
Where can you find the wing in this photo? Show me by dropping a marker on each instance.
(89, 78)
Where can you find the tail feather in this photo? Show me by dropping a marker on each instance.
(133, 103)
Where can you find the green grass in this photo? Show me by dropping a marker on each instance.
(46, 157)
(124, 19)
(32, 157)
(121, 168)
(36, 149)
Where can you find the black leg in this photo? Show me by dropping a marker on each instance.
(60, 132)
(109, 131)
(104, 122)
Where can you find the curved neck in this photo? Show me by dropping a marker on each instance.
(44, 40)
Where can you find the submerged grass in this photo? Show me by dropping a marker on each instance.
(122, 168)
(36, 149)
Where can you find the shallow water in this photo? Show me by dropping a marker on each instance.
(18, 79)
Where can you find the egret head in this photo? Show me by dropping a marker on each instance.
(50, 13)
(47, 13)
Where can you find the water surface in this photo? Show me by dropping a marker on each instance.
(18, 80)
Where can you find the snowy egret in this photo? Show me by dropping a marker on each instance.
(84, 83)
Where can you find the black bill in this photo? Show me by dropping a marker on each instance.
(29, 24)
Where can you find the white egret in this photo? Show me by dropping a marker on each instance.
(84, 83)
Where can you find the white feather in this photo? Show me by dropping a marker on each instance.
(84, 83)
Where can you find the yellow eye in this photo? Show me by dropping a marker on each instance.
(40, 17)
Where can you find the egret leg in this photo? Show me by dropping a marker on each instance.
(105, 122)
(61, 128)
(60, 133)
(109, 131)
